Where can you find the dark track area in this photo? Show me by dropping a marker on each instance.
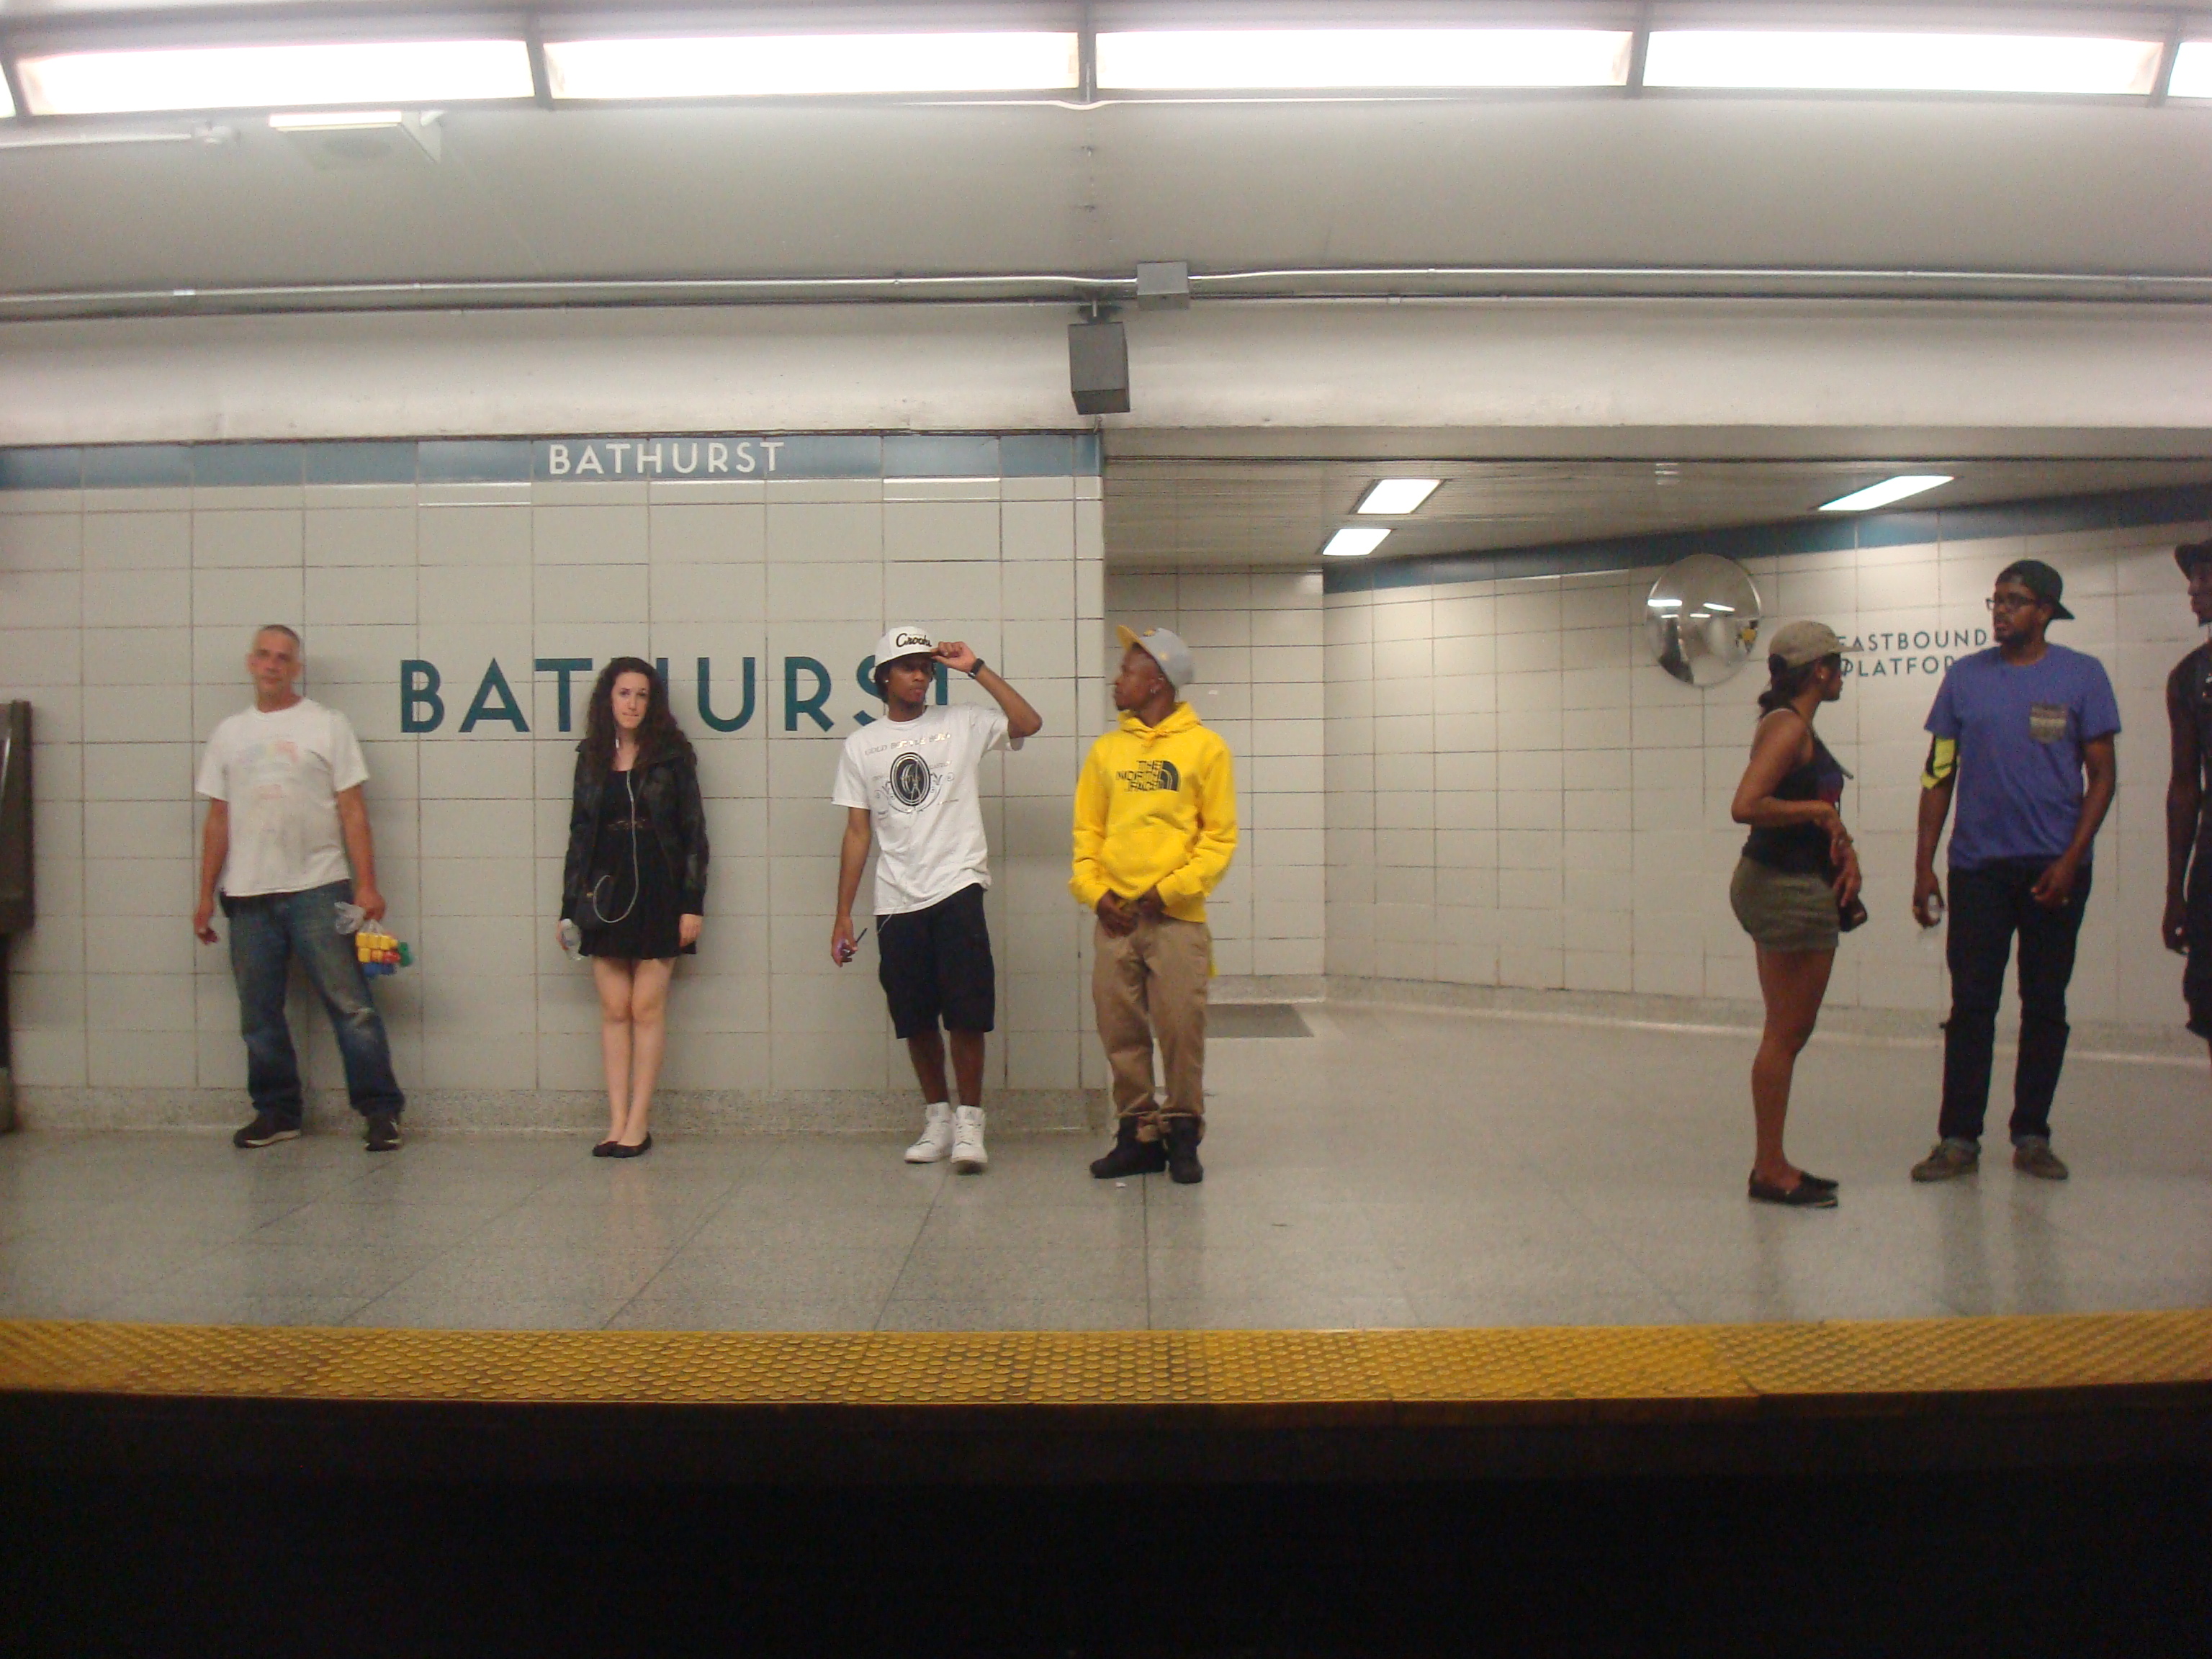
(2112, 1560)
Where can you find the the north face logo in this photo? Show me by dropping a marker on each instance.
(1146, 776)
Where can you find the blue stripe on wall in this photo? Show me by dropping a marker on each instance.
(516, 460)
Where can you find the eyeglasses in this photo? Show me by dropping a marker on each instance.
(2012, 602)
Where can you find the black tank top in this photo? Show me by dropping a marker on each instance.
(1802, 849)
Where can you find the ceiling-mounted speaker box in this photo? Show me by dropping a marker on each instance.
(1098, 367)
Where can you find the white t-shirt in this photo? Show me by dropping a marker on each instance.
(281, 774)
(918, 778)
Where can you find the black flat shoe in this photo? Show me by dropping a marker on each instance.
(1803, 1196)
(1818, 1183)
(605, 1148)
(615, 1149)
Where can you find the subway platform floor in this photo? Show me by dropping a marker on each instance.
(1396, 1167)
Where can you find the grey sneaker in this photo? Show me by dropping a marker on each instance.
(2035, 1158)
(1948, 1161)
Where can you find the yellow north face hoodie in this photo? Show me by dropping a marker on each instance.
(1155, 806)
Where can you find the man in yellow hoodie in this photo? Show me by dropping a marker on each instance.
(1155, 827)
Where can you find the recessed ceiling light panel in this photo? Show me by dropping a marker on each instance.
(1282, 60)
(817, 65)
(332, 120)
(1889, 490)
(2192, 71)
(1812, 60)
(371, 73)
(1397, 495)
(1351, 544)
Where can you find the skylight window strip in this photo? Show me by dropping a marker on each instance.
(1807, 60)
(363, 74)
(818, 65)
(1289, 60)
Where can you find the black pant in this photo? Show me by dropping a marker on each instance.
(1987, 906)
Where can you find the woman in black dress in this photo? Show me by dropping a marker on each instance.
(635, 884)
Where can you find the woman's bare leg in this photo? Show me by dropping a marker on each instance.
(648, 1027)
(612, 974)
(1793, 982)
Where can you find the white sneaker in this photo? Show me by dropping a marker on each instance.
(969, 1156)
(936, 1142)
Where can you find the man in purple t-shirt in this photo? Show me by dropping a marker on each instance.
(2022, 736)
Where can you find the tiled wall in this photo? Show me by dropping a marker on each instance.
(1518, 795)
(1257, 638)
(125, 615)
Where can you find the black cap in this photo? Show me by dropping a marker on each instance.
(2040, 580)
(2190, 554)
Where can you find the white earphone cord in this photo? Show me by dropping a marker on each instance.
(606, 921)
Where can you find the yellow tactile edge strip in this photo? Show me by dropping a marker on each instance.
(1574, 1370)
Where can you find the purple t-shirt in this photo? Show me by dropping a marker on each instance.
(2020, 731)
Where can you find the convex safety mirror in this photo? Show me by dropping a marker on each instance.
(1702, 618)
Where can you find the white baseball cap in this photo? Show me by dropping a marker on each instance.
(1164, 647)
(907, 639)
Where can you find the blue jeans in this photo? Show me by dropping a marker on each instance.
(266, 930)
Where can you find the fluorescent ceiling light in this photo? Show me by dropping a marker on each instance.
(1397, 494)
(1349, 544)
(330, 120)
(788, 65)
(373, 73)
(1836, 61)
(1164, 60)
(2192, 71)
(1889, 490)
(6, 103)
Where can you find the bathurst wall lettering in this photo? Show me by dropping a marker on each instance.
(427, 696)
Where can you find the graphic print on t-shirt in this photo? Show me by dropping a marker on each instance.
(281, 774)
(911, 783)
(916, 780)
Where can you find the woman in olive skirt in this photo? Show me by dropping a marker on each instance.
(1795, 887)
(635, 883)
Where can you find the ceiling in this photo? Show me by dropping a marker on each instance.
(1200, 513)
(809, 189)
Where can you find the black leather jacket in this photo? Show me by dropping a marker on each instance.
(668, 787)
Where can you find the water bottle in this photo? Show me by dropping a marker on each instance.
(1931, 938)
(572, 937)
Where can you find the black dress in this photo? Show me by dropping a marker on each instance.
(630, 908)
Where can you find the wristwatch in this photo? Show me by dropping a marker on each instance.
(979, 666)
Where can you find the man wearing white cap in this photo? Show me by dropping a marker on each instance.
(1155, 828)
(907, 782)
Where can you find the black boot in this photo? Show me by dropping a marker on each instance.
(1181, 1136)
(1130, 1156)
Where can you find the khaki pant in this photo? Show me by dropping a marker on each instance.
(1152, 983)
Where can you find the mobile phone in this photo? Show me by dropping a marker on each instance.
(852, 946)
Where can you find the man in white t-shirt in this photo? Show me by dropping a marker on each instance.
(908, 781)
(285, 821)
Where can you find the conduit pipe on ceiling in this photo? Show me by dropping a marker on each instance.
(1363, 285)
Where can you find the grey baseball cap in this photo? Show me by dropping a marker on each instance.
(1798, 643)
(1164, 647)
